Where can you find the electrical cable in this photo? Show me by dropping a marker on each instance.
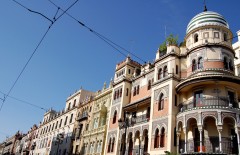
(6, 96)
(105, 39)
(20, 100)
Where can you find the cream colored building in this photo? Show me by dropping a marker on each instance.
(186, 101)
(55, 133)
(236, 48)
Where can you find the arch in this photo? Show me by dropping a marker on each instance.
(165, 71)
(231, 118)
(162, 137)
(161, 102)
(159, 73)
(195, 38)
(191, 118)
(194, 66)
(200, 63)
(156, 138)
(209, 116)
(114, 117)
(178, 124)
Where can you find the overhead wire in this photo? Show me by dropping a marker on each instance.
(105, 39)
(39, 43)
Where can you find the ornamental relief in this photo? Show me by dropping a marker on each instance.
(192, 115)
(164, 90)
(159, 124)
(112, 134)
(161, 65)
(228, 114)
(210, 114)
(116, 107)
(180, 119)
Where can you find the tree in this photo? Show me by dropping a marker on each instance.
(170, 40)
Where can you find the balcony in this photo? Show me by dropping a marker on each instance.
(82, 117)
(208, 103)
(140, 119)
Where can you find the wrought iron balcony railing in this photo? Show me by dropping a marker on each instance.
(209, 102)
(82, 117)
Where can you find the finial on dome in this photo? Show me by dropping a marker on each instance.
(205, 6)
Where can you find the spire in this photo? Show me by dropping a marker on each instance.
(205, 6)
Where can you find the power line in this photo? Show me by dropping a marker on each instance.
(105, 39)
(7, 95)
(20, 100)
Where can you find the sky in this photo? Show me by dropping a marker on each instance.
(71, 57)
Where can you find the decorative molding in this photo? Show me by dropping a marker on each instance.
(164, 90)
(159, 124)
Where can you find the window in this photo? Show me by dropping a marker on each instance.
(206, 35)
(134, 91)
(53, 126)
(198, 97)
(216, 34)
(162, 138)
(159, 73)
(149, 84)
(225, 37)
(175, 100)
(129, 71)
(165, 71)
(161, 102)
(120, 95)
(194, 67)
(90, 109)
(195, 38)
(87, 127)
(113, 145)
(49, 128)
(109, 145)
(71, 118)
(200, 63)
(114, 116)
(176, 69)
(56, 125)
(138, 89)
(74, 103)
(127, 91)
(60, 124)
(117, 93)
(156, 139)
(175, 137)
(69, 106)
(66, 120)
(230, 65)
(225, 63)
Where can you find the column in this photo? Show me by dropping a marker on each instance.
(237, 132)
(200, 132)
(178, 135)
(219, 128)
(141, 139)
(185, 133)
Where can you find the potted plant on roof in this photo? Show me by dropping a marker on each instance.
(171, 41)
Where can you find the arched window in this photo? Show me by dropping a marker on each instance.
(230, 65)
(162, 138)
(194, 67)
(112, 148)
(165, 71)
(156, 139)
(149, 84)
(159, 73)
(200, 63)
(161, 102)
(114, 116)
(225, 37)
(109, 145)
(195, 38)
(225, 63)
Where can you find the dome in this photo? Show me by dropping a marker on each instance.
(206, 18)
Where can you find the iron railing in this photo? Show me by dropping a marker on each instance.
(210, 102)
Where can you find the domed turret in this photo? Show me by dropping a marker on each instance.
(206, 18)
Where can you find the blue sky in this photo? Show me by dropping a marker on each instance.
(71, 57)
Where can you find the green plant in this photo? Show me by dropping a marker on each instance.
(170, 40)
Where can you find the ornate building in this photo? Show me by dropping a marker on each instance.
(186, 101)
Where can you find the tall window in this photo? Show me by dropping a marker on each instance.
(114, 116)
(230, 65)
(120, 92)
(225, 37)
(156, 139)
(149, 84)
(165, 71)
(195, 38)
(138, 89)
(225, 63)
(66, 120)
(159, 73)
(60, 124)
(134, 91)
(56, 125)
(109, 145)
(112, 148)
(69, 105)
(194, 67)
(200, 63)
(71, 118)
(127, 91)
(74, 103)
(162, 138)
(161, 102)
(198, 97)
(176, 69)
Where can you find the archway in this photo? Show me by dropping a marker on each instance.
(145, 141)
(130, 145)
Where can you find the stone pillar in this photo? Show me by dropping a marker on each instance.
(200, 132)
(237, 132)
(219, 128)
(185, 133)
(178, 135)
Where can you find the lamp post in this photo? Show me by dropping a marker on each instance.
(124, 124)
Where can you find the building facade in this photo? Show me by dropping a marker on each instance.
(186, 101)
